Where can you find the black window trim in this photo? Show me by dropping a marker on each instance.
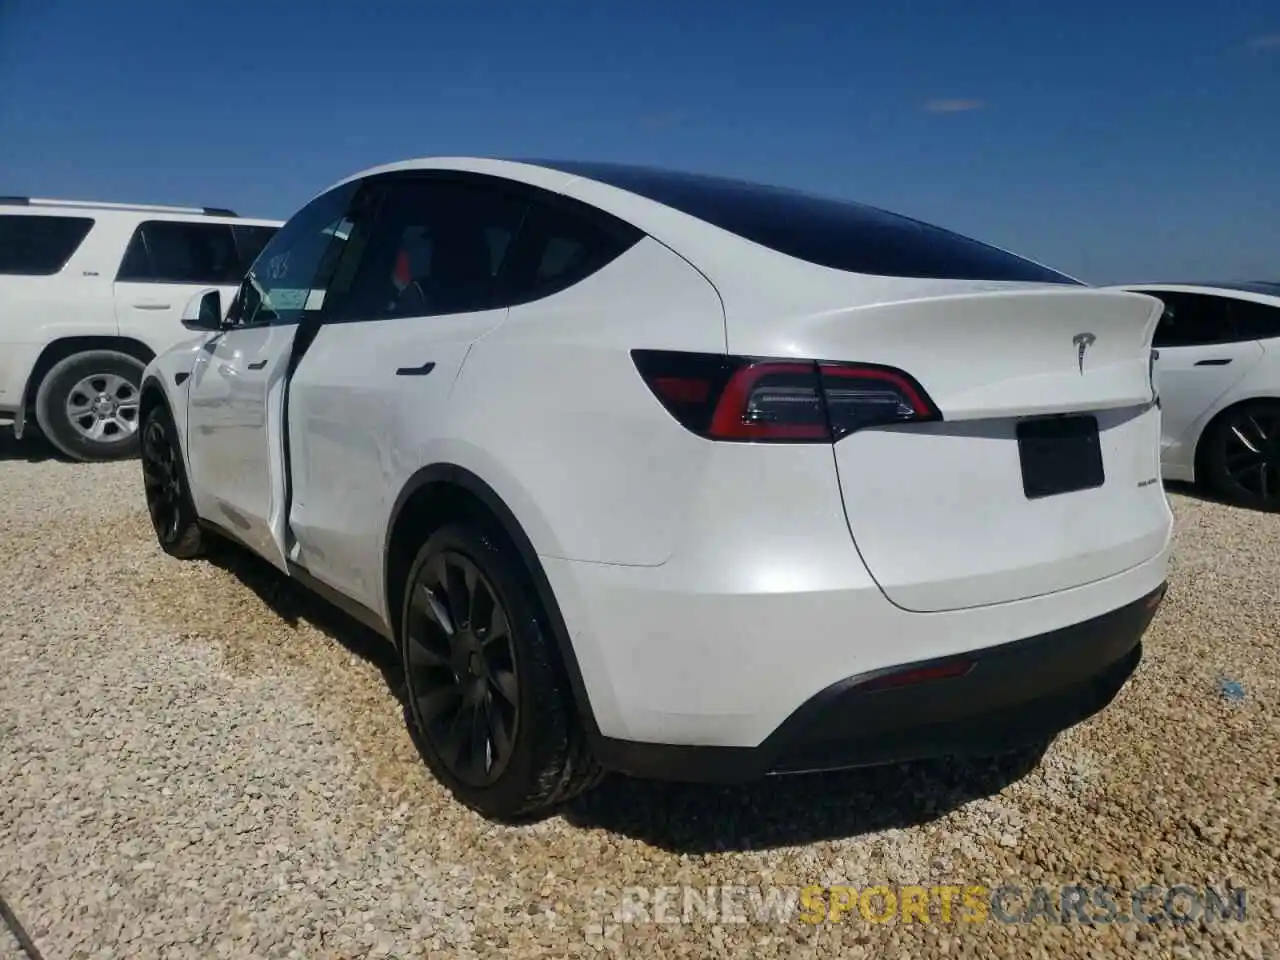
(625, 233)
(91, 221)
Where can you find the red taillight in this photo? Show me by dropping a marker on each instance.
(916, 675)
(771, 401)
(743, 398)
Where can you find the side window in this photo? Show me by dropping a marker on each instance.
(289, 276)
(176, 251)
(1255, 321)
(249, 243)
(435, 247)
(561, 245)
(1192, 319)
(39, 246)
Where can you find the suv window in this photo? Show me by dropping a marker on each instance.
(289, 277)
(828, 232)
(249, 243)
(1192, 319)
(435, 247)
(39, 246)
(177, 251)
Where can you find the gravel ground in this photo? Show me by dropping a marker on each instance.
(197, 760)
(10, 949)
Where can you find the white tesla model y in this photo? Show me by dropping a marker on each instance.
(675, 475)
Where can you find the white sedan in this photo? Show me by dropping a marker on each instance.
(676, 475)
(1218, 376)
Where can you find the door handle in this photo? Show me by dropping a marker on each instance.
(1216, 362)
(421, 371)
(151, 305)
(257, 365)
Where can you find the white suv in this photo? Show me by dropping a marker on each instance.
(89, 294)
(676, 475)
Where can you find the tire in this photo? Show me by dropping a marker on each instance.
(103, 385)
(164, 480)
(1242, 456)
(527, 752)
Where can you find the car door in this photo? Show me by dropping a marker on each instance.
(1201, 354)
(165, 264)
(235, 404)
(369, 398)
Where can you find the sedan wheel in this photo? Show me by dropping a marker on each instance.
(1244, 456)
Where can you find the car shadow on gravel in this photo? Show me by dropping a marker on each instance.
(31, 448)
(295, 604)
(688, 818)
(794, 810)
(1198, 492)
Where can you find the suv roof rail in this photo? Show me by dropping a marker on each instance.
(103, 205)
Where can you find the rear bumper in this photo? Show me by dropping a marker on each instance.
(1013, 694)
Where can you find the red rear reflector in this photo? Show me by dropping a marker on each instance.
(917, 675)
(682, 389)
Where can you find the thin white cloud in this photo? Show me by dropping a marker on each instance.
(953, 106)
(1268, 41)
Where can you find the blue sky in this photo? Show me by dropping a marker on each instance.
(1117, 141)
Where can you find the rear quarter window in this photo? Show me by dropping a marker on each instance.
(831, 233)
(1255, 321)
(35, 246)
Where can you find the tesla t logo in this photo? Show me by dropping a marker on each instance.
(1083, 342)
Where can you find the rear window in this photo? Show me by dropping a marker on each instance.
(39, 246)
(249, 243)
(180, 251)
(831, 233)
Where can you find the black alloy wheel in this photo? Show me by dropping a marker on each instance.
(1244, 456)
(462, 673)
(487, 697)
(164, 482)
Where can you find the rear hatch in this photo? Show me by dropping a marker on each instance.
(1043, 473)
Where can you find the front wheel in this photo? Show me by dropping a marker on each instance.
(164, 480)
(1242, 456)
(488, 701)
(87, 405)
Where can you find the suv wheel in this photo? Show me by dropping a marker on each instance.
(488, 702)
(164, 481)
(87, 405)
